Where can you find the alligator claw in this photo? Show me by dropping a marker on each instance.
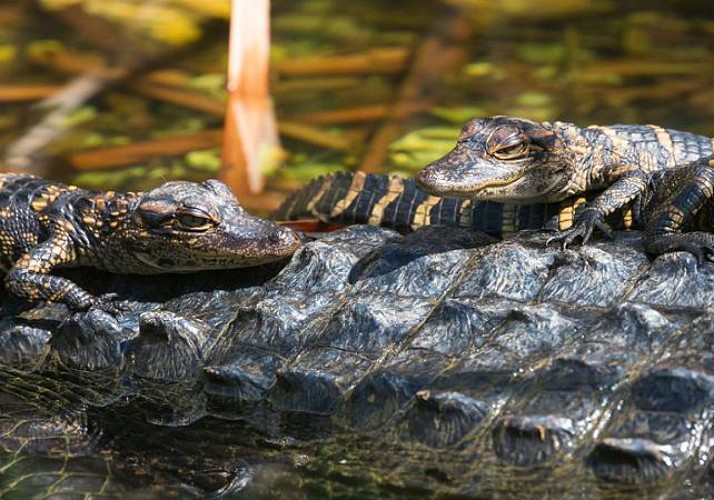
(583, 229)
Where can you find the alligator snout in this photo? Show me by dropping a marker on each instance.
(283, 238)
(429, 177)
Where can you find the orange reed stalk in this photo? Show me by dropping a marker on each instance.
(250, 132)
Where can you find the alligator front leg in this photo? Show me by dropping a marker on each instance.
(663, 228)
(624, 190)
(29, 278)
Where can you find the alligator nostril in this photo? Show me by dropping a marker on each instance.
(284, 236)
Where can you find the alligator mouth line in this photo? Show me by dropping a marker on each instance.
(498, 183)
(146, 259)
(503, 182)
(166, 265)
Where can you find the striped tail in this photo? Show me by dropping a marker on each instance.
(358, 198)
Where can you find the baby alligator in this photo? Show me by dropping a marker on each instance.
(675, 211)
(178, 227)
(521, 161)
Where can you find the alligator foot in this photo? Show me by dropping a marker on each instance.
(108, 303)
(582, 228)
(700, 244)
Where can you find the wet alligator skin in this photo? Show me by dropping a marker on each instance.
(436, 361)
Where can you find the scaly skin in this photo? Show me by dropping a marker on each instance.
(397, 203)
(675, 211)
(177, 227)
(521, 161)
(679, 212)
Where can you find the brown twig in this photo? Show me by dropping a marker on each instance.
(167, 87)
(637, 67)
(377, 60)
(315, 84)
(140, 152)
(94, 76)
(28, 92)
(21, 153)
(11, 14)
(187, 98)
(361, 114)
(352, 115)
(313, 135)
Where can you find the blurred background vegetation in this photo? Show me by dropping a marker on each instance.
(382, 86)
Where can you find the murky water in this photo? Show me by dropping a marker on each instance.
(373, 84)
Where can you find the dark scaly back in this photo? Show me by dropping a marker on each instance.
(358, 198)
(38, 206)
(24, 219)
(681, 198)
(650, 147)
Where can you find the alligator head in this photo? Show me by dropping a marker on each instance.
(185, 226)
(503, 159)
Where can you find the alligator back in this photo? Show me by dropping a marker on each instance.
(390, 201)
(24, 219)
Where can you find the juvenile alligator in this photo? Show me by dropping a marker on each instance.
(674, 200)
(178, 227)
(521, 161)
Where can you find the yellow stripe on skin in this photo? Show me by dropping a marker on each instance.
(395, 189)
(566, 214)
(665, 140)
(352, 193)
(509, 216)
(466, 215)
(628, 218)
(326, 183)
(422, 214)
(617, 142)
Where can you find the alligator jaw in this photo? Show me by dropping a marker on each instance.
(454, 178)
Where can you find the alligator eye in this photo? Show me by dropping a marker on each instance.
(511, 152)
(507, 143)
(194, 221)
